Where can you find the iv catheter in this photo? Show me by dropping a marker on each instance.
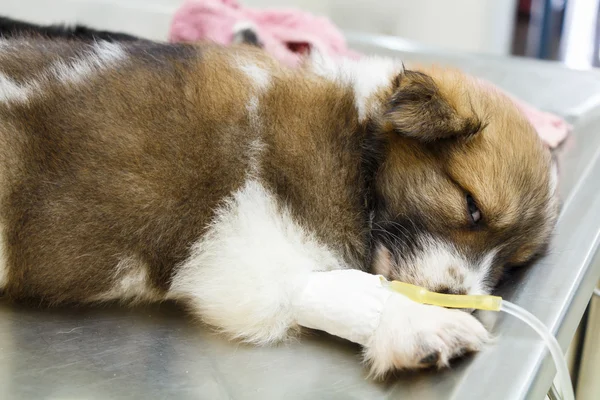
(491, 303)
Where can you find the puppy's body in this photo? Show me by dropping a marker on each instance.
(145, 172)
(129, 162)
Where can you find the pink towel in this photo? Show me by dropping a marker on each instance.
(284, 33)
(288, 34)
(552, 129)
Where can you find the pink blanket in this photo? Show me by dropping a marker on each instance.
(288, 34)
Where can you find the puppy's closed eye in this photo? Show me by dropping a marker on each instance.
(474, 212)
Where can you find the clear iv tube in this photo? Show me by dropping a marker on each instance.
(562, 371)
(492, 303)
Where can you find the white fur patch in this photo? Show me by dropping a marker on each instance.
(256, 146)
(243, 274)
(440, 265)
(103, 55)
(367, 76)
(255, 149)
(11, 91)
(131, 284)
(430, 266)
(252, 107)
(476, 278)
(259, 76)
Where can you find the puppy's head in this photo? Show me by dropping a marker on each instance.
(465, 186)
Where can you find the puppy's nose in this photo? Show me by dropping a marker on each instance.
(448, 290)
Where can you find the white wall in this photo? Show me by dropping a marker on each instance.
(482, 26)
(148, 18)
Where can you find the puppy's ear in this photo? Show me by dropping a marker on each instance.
(419, 109)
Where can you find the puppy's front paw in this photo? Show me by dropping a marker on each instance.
(412, 336)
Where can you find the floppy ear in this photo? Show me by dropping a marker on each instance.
(418, 109)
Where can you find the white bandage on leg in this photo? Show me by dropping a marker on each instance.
(344, 303)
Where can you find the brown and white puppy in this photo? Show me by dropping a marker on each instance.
(216, 177)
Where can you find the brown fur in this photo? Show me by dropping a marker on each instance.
(422, 109)
(135, 162)
(132, 163)
(485, 148)
(125, 166)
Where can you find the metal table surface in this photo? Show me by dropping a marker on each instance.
(157, 352)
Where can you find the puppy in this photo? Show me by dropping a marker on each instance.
(143, 172)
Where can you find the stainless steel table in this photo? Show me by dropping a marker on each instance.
(156, 352)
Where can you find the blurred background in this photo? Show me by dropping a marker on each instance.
(565, 30)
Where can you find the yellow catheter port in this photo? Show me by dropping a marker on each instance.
(491, 303)
(424, 296)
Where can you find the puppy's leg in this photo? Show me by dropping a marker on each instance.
(259, 277)
(243, 274)
(396, 332)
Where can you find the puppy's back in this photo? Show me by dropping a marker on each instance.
(114, 156)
